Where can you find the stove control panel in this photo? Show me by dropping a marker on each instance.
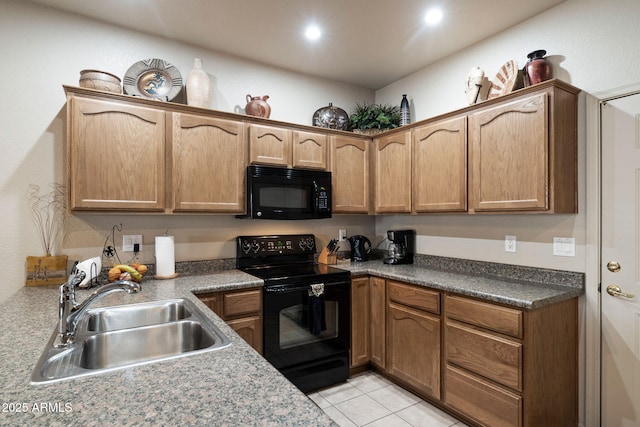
(288, 244)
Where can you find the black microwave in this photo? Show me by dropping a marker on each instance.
(282, 193)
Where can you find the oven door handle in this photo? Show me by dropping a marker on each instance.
(286, 288)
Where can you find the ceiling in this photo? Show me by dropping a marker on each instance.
(369, 43)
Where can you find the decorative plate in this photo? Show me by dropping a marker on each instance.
(153, 78)
(505, 81)
(331, 117)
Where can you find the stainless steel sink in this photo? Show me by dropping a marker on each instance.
(118, 337)
(127, 346)
(134, 315)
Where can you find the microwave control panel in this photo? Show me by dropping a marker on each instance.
(260, 246)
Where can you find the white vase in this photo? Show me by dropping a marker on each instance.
(198, 86)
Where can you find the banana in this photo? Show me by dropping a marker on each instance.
(135, 275)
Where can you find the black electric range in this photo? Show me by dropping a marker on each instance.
(306, 313)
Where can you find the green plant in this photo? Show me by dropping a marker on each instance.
(374, 116)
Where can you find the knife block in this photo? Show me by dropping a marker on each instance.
(326, 258)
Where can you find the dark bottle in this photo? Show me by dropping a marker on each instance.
(405, 113)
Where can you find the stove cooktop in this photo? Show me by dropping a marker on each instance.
(296, 271)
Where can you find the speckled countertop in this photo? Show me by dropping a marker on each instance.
(523, 287)
(229, 387)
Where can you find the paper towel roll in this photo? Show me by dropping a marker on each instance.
(165, 258)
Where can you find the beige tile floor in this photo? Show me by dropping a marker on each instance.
(369, 399)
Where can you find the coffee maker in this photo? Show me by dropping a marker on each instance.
(402, 246)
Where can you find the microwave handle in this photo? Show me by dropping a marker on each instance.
(316, 196)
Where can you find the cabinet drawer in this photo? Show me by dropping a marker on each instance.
(414, 296)
(494, 317)
(485, 403)
(491, 356)
(242, 303)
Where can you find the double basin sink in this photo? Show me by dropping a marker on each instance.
(117, 337)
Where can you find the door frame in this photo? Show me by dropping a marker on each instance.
(592, 306)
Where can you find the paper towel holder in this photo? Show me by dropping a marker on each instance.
(172, 257)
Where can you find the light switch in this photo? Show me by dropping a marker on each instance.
(564, 246)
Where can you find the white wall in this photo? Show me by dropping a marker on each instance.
(591, 44)
(42, 49)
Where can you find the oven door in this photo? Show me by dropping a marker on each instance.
(310, 352)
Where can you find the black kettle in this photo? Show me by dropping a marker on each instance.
(360, 248)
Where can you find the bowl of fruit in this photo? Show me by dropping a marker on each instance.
(132, 271)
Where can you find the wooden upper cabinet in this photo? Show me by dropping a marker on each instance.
(269, 145)
(510, 156)
(116, 156)
(523, 154)
(208, 164)
(350, 174)
(392, 182)
(440, 166)
(310, 150)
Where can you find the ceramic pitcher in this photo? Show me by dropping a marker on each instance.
(257, 106)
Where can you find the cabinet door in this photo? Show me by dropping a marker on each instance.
(116, 156)
(310, 150)
(208, 164)
(359, 321)
(413, 348)
(509, 156)
(211, 300)
(377, 331)
(250, 329)
(440, 166)
(392, 159)
(269, 145)
(350, 174)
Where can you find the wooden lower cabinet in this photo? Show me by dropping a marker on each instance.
(360, 315)
(487, 363)
(377, 324)
(241, 310)
(509, 367)
(413, 337)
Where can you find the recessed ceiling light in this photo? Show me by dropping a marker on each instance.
(433, 16)
(313, 32)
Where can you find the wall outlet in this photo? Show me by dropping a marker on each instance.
(509, 243)
(128, 240)
(342, 235)
(564, 246)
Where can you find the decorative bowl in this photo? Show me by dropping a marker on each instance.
(100, 80)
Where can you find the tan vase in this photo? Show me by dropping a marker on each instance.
(46, 270)
(198, 86)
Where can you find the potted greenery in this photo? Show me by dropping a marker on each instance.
(371, 119)
(48, 212)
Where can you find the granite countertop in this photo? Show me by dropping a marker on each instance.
(523, 287)
(231, 386)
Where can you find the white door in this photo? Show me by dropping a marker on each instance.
(620, 314)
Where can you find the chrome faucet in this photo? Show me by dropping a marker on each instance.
(70, 310)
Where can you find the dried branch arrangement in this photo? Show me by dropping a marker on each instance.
(48, 212)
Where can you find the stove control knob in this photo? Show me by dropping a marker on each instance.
(246, 246)
(255, 246)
